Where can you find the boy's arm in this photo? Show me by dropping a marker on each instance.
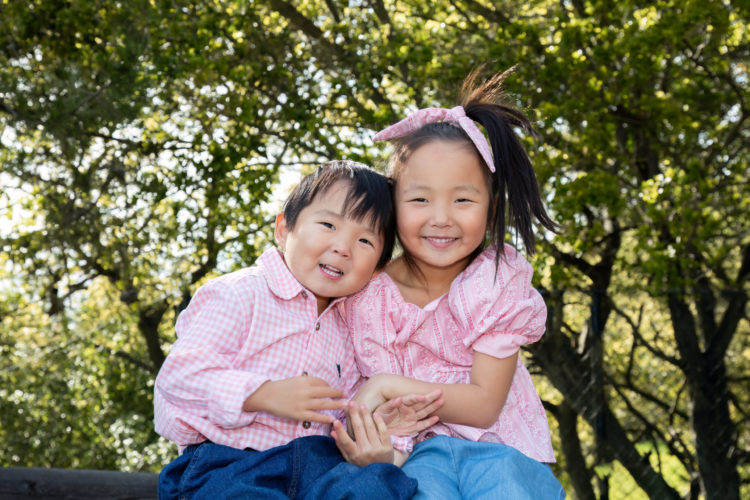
(298, 398)
(477, 404)
(198, 379)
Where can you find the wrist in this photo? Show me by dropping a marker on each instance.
(257, 400)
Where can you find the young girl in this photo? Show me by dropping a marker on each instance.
(452, 312)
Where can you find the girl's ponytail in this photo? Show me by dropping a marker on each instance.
(514, 175)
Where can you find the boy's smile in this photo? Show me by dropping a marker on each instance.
(329, 254)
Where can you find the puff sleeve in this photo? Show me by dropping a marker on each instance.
(497, 308)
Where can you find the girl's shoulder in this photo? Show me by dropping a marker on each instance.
(379, 287)
(485, 268)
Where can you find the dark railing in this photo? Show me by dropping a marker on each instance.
(17, 483)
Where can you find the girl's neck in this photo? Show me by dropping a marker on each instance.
(421, 285)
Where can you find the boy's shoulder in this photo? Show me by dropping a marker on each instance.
(248, 278)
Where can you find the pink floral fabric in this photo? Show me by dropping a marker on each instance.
(486, 310)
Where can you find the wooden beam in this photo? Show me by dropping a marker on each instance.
(18, 483)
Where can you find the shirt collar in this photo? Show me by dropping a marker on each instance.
(280, 279)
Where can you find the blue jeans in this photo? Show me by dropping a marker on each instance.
(448, 467)
(310, 467)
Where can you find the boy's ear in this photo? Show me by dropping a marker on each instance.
(281, 230)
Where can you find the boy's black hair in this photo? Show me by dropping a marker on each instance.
(513, 184)
(369, 197)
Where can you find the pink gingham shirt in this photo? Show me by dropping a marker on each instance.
(239, 331)
(436, 343)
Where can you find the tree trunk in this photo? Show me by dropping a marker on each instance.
(566, 370)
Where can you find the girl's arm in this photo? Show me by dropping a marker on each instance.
(476, 404)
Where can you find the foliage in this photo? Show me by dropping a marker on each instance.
(141, 143)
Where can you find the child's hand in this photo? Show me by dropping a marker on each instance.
(370, 393)
(371, 443)
(411, 414)
(298, 398)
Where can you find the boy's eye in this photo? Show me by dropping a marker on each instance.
(418, 200)
(327, 224)
(463, 200)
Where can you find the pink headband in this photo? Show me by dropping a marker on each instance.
(455, 116)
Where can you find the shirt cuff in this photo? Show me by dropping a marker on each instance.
(404, 444)
(228, 395)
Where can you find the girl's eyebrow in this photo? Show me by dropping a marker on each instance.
(424, 187)
(467, 187)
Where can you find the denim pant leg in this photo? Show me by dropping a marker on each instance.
(346, 481)
(448, 467)
(490, 471)
(431, 464)
(212, 471)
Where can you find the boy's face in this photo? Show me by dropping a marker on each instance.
(328, 253)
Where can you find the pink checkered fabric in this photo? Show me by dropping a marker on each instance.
(240, 330)
(486, 310)
(455, 116)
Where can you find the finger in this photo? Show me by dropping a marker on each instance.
(360, 434)
(325, 404)
(369, 424)
(419, 400)
(325, 392)
(313, 416)
(382, 428)
(389, 406)
(429, 409)
(412, 399)
(424, 424)
(343, 442)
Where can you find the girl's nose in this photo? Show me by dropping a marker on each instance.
(440, 216)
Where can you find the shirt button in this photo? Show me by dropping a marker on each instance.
(304, 294)
(304, 374)
(317, 326)
(306, 424)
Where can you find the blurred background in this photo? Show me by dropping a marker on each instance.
(145, 145)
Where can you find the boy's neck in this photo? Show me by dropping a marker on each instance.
(322, 304)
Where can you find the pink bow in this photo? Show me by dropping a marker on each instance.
(455, 116)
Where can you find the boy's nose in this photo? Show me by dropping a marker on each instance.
(341, 247)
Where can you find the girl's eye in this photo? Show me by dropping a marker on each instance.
(463, 200)
(366, 241)
(418, 200)
(327, 224)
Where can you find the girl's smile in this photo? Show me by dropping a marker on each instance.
(442, 201)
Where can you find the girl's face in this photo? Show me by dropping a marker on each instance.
(442, 201)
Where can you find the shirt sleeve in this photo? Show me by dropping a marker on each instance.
(496, 305)
(404, 444)
(198, 377)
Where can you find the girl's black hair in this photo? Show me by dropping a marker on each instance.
(369, 197)
(514, 193)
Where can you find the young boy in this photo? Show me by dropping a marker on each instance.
(262, 357)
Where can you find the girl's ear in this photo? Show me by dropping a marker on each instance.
(281, 230)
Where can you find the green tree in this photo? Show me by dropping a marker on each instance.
(148, 136)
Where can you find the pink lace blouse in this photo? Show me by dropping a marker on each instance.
(436, 343)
